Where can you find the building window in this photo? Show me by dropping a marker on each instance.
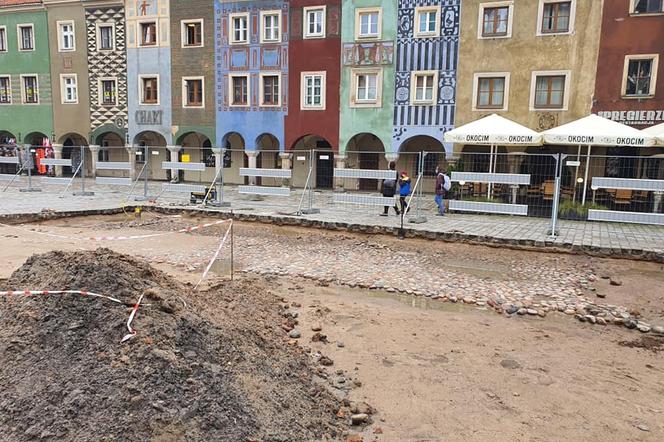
(647, 6)
(314, 22)
(640, 75)
(495, 20)
(269, 90)
(368, 23)
(192, 33)
(239, 90)
(490, 91)
(366, 86)
(427, 21)
(105, 38)
(30, 90)
(313, 90)
(109, 92)
(69, 89)
(271, 26)
(149, 90)
(239, 28)
(102, 155)
(3, 39)
(550, 91)
(423, 87)
(26, 38)
(556, 17)
(66, 38)
(5, 90)
(148, 33)
(193, 92)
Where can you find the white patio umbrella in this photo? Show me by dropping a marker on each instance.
(657, 132)
(596, 131)
(494, 130)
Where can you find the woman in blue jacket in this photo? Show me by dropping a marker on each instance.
(404, 191)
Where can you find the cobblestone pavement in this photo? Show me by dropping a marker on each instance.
(607, 236)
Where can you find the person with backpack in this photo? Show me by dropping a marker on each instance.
(404, 191)
(443, 186)
(389, 189)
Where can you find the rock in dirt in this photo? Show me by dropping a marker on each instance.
(201, 372)
(294, 334)
(510, 363)
(615, 282)
(359, 419)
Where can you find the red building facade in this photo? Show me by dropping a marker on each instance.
(630, 74)
(313, 85)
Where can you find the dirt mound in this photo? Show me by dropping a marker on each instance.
(217, 369)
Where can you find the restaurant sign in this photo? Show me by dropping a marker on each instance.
(635, 117)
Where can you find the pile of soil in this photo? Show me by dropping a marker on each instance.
(218, 368)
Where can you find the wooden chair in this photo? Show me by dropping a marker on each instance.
(548, 190)
(623, 197)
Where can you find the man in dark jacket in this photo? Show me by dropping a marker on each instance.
(443, 185)
(389, 189)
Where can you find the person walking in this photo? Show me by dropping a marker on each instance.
(404, 192)
(443, 186)
(389, 189)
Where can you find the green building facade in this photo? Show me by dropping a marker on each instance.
(26, 99)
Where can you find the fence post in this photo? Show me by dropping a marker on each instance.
(27, 157)
(309, 187)
(219, 154)
(82, 168)
(553, 231)
(419, 217)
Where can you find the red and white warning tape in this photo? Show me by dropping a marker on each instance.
(134, 310)
(215, 256)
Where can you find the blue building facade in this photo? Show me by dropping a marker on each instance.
(251, 64)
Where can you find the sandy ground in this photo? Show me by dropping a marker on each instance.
(437, 371)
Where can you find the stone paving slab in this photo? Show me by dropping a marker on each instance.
(630, 240)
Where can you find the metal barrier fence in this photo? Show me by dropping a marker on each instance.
(356, 183)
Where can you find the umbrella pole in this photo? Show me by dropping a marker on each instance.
(490, 171)
(585, 177)
(576, 172)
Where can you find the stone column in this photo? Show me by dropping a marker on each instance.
(57, 154)
(131, 150)
(340, 163)
(252, 155)
(175, 151)
(94, 153)
(218, 161)
(286, 164)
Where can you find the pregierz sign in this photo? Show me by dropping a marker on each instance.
(635, 117)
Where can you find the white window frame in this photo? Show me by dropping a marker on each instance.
(422, 9)
(11, 99)
(653, 76)
(63, 88)
(231, 30)
(4, 34)
(261, 88)
(139, 36)
(230, 89)
(140, 89)
(510, 19)
(264, 14)
(566, 92)
(19, 40)
(476, 90)
(183, 33)
(61, 35)
(184, 92)
(22, 76)
(413, 88)
(100, 90)
(355, 73)
(358, 13)
(303, 91)
(632, 5)
(305, 32)
(540, 16)
(100, 25)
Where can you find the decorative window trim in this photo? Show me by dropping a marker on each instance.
(632, 6)
(4, 28)
(261, 88)
(100, 90)
(230, 89)
(354, 103)
(63, 88)
(533, 87)
(305, 22)
(416, 29)
(653, 76)
(184, 92)
(303, 91)
(183, 33)
(231, 32)
(540, 16)
(139, 34)
(11, 99)
(358, 13)
(480, 19)
(22, 76)
(262, 16)
(141, 77)
(413, 88)
(59, 24)
(476, 89)
(98, 27)
(18, 37)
